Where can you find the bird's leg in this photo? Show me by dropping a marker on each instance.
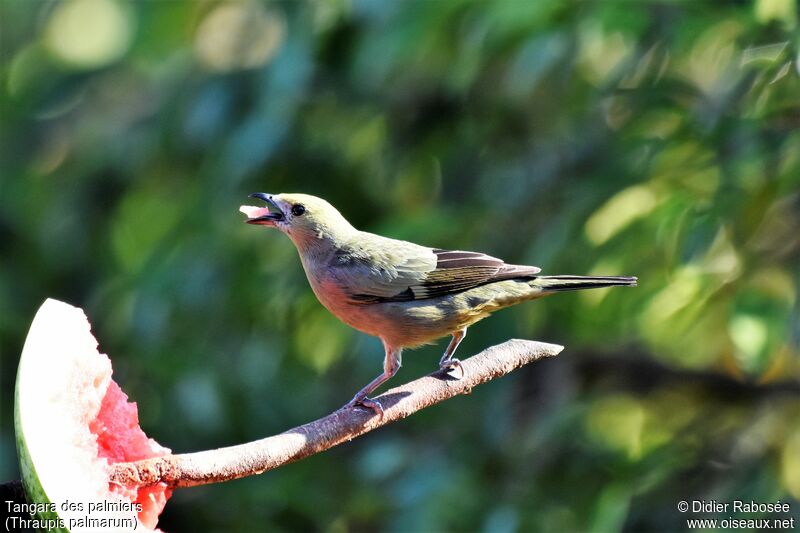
(391, 364)
(448, 362)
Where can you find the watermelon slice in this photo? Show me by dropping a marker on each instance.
(72, 421)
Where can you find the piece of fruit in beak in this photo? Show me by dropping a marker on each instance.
(257, 215)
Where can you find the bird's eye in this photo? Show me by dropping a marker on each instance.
(298, 210)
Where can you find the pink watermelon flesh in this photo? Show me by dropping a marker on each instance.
(254, 212)
(120, 440)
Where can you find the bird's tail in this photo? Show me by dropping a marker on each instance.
(574, 283)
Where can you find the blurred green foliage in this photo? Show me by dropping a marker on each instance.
(657, 139)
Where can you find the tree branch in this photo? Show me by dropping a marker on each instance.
(213, 466)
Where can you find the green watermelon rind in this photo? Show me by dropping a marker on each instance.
(30, 479)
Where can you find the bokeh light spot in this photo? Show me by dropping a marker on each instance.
(749, 334)
(711, 64)
(238, 36)
(684, 288)
(89, 33)
(784, 11)
(620, 211)
(601, 53)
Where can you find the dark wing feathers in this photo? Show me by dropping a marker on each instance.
(455, 271)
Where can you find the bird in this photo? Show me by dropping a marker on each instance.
(405, 294)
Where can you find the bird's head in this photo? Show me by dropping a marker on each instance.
(304, 218)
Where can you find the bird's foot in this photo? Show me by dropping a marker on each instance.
(366, 403)
(450, 364)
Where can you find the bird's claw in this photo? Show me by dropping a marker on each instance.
(367, 403)
(451, 364)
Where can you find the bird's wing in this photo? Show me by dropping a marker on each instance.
(398, 271)
(458, 271)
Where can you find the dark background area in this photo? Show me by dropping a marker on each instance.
(656, 139)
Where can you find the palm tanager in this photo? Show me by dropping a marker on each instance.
(403, 293)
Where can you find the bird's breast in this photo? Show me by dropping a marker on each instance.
(334, 295)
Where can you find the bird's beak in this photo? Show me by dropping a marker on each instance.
(262, 216)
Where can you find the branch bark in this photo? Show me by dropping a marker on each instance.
(223, 464)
